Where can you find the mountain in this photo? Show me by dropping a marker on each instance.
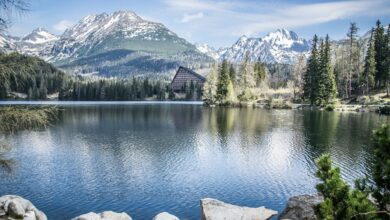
(281, 46)
(123, 43)
(117, 44)
(38, 43)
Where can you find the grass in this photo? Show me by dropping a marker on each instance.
(14, 119)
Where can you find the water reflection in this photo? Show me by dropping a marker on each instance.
(144, 159)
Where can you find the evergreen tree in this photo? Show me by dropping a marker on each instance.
(232, 73)
(352, 35)
(340, 203)
(381, 168)
(334, 190)
(369, 66)
(223, 82)
(380, 55)
(311, 78)
(387, 61)
(327, 71)
(260, 71)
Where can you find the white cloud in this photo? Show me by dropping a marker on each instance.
(191, 17)
(62, 25)
(236, 18)
(308, 14)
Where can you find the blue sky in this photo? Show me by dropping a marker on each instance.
(216, 22)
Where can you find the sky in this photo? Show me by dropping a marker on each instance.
(218, 23)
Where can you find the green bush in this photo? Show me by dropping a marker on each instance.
(340, 202)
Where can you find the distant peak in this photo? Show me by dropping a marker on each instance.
(126, 14)
(283, 33)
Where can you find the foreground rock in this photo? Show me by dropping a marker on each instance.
(108, 215)
(301, 207)
(165, 216)
(16, 207)
(213, 209)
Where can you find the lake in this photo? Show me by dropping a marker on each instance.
(145, 158)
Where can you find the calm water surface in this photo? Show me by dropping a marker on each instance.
(147, 158)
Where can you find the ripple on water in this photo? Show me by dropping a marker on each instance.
(147, 159)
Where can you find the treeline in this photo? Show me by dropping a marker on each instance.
(362, 64)
(115, 90)
(36, 79)
(350, 75)
(226, 86)
(28, 75)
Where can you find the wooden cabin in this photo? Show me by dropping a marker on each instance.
(183, 77)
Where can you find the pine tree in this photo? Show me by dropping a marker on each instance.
(223, 82)
(340, 202)
(352, 34)
(387, 61)
(369, 66)
(334, 190)
(327, 69)
(380, 55)
(232, 73)
(260, 71)
(310, 77)
(381, 168)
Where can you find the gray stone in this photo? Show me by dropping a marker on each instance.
(165, 216)
(301, 207)
(108, 215)
(17, 207)
(213, 209)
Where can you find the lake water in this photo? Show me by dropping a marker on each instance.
(145, 158)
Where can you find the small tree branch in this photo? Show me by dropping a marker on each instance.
(373, 212)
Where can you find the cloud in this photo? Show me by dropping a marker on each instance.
(309, 14)
(191, 17)
(239, 18)
(62, 25)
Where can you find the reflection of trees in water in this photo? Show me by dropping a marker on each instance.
(245, 123)
(135, 117)
(319, 128)
(5, 163)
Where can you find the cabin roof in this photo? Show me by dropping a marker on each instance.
(189, 71)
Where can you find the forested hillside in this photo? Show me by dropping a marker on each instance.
(28, 75)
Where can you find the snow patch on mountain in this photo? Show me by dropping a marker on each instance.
(280, 46)
(39, 36)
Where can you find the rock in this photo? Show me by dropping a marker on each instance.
(108, 215)
(301, 207)
(165, 216)
(213, 209)
(17, 207)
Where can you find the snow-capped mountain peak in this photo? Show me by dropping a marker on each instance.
(280, 46)
(208, 50)
(39, 36)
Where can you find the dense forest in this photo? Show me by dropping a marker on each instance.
(32, 78)
(28, 75)
(334, 71)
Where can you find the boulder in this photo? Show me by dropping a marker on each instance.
(213, 209)
(165, 216)
(301, 207)
(17, 207)
(108, 215)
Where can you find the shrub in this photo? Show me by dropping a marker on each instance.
(340, 202)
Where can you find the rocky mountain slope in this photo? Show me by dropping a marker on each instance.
(117, 44)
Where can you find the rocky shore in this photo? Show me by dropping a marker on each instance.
(298, 208)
